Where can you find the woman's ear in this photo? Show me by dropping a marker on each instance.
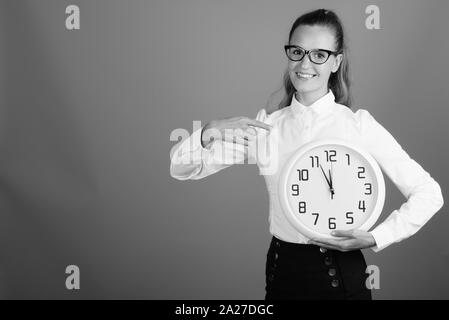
(337, 62)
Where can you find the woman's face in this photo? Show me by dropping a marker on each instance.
(313, 37)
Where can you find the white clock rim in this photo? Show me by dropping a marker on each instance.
(282, 187)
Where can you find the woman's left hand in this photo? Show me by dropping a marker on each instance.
(350, 240)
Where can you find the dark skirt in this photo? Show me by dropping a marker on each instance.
(301, 271)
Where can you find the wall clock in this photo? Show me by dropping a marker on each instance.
(331, 184)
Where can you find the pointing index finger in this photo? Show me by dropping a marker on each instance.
(260, 124)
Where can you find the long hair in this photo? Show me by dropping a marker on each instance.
(339, 82)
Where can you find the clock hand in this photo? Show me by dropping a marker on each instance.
(331, 185)
(330, 188)
(331, 172)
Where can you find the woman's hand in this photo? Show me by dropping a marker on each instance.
(239, 130)
(350, 240)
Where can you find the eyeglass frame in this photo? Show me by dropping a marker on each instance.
(307, 52)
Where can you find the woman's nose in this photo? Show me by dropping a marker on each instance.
(305, 62)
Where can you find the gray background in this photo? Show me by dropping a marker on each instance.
(85, 123)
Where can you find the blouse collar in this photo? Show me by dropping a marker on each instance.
(322, 105)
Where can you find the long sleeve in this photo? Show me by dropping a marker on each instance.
(423, 193)
(192, 161)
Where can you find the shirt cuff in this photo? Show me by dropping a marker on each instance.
(382, 236)
(191, 152)
(196, 136)
(198, 151)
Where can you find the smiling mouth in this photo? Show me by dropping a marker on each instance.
(305, 75)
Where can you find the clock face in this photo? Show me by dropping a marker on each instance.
(330, 186)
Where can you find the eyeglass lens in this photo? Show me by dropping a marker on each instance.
(316, 56)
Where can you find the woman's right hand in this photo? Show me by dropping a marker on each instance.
(238, 130)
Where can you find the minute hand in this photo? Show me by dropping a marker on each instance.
(327, 180)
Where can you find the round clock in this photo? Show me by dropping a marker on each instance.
(331, 185)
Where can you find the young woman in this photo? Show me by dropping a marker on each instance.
(316, 105)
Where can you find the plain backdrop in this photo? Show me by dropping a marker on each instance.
(85, 123)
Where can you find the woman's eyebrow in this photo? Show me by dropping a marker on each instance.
(297, 45)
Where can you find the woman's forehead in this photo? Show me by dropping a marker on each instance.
(311, 37)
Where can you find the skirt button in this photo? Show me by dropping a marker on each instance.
(335, 283)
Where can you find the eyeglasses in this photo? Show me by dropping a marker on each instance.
(317, 56)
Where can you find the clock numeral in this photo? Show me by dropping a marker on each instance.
(316, 218)
(332, 224)
(361, 171)
(295, 188)
(368, 188)
(330, 155)
(349, 217)
(303, 175)
(315, 158)
(349, 159)
(362, 205)
(302, 207)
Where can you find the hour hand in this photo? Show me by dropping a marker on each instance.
(331, 170)
(331, 185)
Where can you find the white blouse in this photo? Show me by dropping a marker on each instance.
(296, 125)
